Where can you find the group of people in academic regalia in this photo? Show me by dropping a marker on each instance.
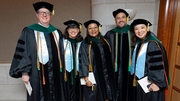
(67, 67)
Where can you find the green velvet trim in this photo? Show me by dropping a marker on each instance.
(122, 30)
(151, 37)
(95, 39)
(72, 40)
(41, 28)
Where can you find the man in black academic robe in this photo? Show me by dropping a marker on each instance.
(119, 39)
(38, 57)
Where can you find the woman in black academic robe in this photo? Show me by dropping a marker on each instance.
(149, 62)
(95, 59)
(72, 41)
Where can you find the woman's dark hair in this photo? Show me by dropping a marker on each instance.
(79, 37)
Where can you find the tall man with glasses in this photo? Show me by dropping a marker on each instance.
(38, 57)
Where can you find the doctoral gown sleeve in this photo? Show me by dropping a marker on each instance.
(156, 68)
(83, 59)
(21, 62)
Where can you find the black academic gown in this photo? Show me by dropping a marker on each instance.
(73, 86)
(156, 69)
(25, 61)
(123, 59)
(102, 89)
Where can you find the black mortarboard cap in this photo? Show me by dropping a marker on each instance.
(119, 11)
(140, 21)
(39, 5)
(72, 23)
(91, 21)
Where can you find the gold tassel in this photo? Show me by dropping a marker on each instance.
(89, 56)
(148, 29)
(60, 66)
(130, 62)
(100, 28)
(92, 87)
(65, 78)
(127, 20)
(80, 27)
(134, 81)
(38, 65)
(53, 12)
(76, 72)
(90, 68)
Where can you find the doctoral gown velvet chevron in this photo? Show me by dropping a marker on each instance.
(119, 40)
(25, 61)
(156, 69)
(100, 57)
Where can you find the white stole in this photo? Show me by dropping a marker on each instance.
(77, 55)
(43, 55)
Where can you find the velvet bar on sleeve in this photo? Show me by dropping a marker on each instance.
(156, 69)
(25, 61)
(119, 40)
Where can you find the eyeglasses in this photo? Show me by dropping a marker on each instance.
(42, 13)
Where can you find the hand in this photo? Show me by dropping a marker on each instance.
(25, 78)
(153, 87)
(89, 83)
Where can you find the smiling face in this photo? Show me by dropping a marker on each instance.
(73, 32)
(140, 31)
(93, 30)
(44, 16)
(121, 20)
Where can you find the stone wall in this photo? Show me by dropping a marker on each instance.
(11, 89)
